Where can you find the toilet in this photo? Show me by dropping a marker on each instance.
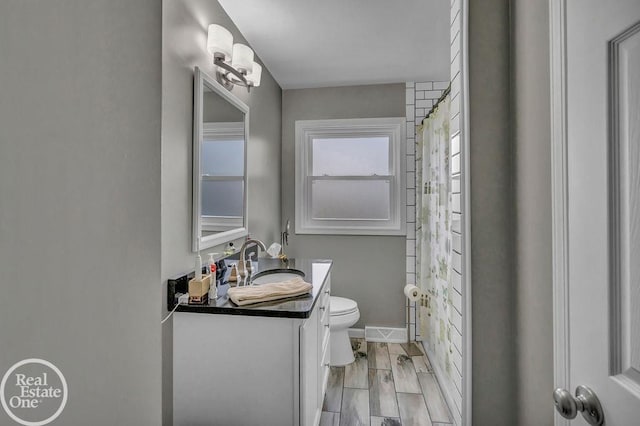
(343, 313)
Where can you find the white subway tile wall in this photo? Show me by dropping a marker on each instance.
(454, 390)
(420, 97)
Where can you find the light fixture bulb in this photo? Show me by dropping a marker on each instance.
(242, 58)
(219, 42)
(254, 76)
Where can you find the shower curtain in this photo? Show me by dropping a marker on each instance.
(433, 228)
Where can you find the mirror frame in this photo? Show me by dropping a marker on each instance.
(198, 242)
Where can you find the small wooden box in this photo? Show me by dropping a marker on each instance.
(199, 289)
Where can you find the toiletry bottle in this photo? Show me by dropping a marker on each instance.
(198, 267)
(213, 289)
(229, 249)
(221, 270)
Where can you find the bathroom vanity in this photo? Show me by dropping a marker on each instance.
(265, 364)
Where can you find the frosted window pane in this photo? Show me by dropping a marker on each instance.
(222, 198)
(350, 199)
(223, 157)
(350, 156)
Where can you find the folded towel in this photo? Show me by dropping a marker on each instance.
(267, 292)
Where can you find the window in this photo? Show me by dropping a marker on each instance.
(222, 166)
(350, 176)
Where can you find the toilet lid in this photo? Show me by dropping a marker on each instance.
(341, 306)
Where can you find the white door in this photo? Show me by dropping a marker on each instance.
(597, 218)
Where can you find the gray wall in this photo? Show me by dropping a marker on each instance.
(492, 216)
(511, 213)
(184, 36)
(80, 98)
(532, 182)
(369, 269)
(217, 109)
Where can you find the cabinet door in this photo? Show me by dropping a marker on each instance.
(324, 341)
(309, 380)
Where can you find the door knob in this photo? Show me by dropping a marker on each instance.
(585, 401)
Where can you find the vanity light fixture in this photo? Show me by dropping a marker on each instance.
(234, 62)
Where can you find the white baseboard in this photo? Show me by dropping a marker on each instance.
(356, 333)
(386, 334)
(380, 334)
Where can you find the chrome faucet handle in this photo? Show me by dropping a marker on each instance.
(249, 264)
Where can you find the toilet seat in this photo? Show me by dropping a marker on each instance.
(342, 306)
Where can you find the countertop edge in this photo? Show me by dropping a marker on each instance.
(248, 311)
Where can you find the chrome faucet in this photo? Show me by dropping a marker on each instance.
(243, 251)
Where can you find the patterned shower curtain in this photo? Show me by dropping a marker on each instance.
(433, 228)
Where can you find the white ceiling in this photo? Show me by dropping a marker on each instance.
(324, 43)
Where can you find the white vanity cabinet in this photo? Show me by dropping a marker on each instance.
(314, 361)
(251, 370)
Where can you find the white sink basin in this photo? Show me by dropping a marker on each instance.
(276, 276)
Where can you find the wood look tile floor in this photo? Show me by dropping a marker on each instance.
(387, 385)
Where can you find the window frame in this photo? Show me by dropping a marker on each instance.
(308, 130)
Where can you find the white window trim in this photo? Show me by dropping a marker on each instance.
(221, 223)
(306, 130)
(219, 130)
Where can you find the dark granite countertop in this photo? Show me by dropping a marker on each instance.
(315, 273)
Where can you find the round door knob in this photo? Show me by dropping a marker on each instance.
(565, 404)
(585, 401)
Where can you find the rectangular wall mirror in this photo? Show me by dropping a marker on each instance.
(220, 134)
